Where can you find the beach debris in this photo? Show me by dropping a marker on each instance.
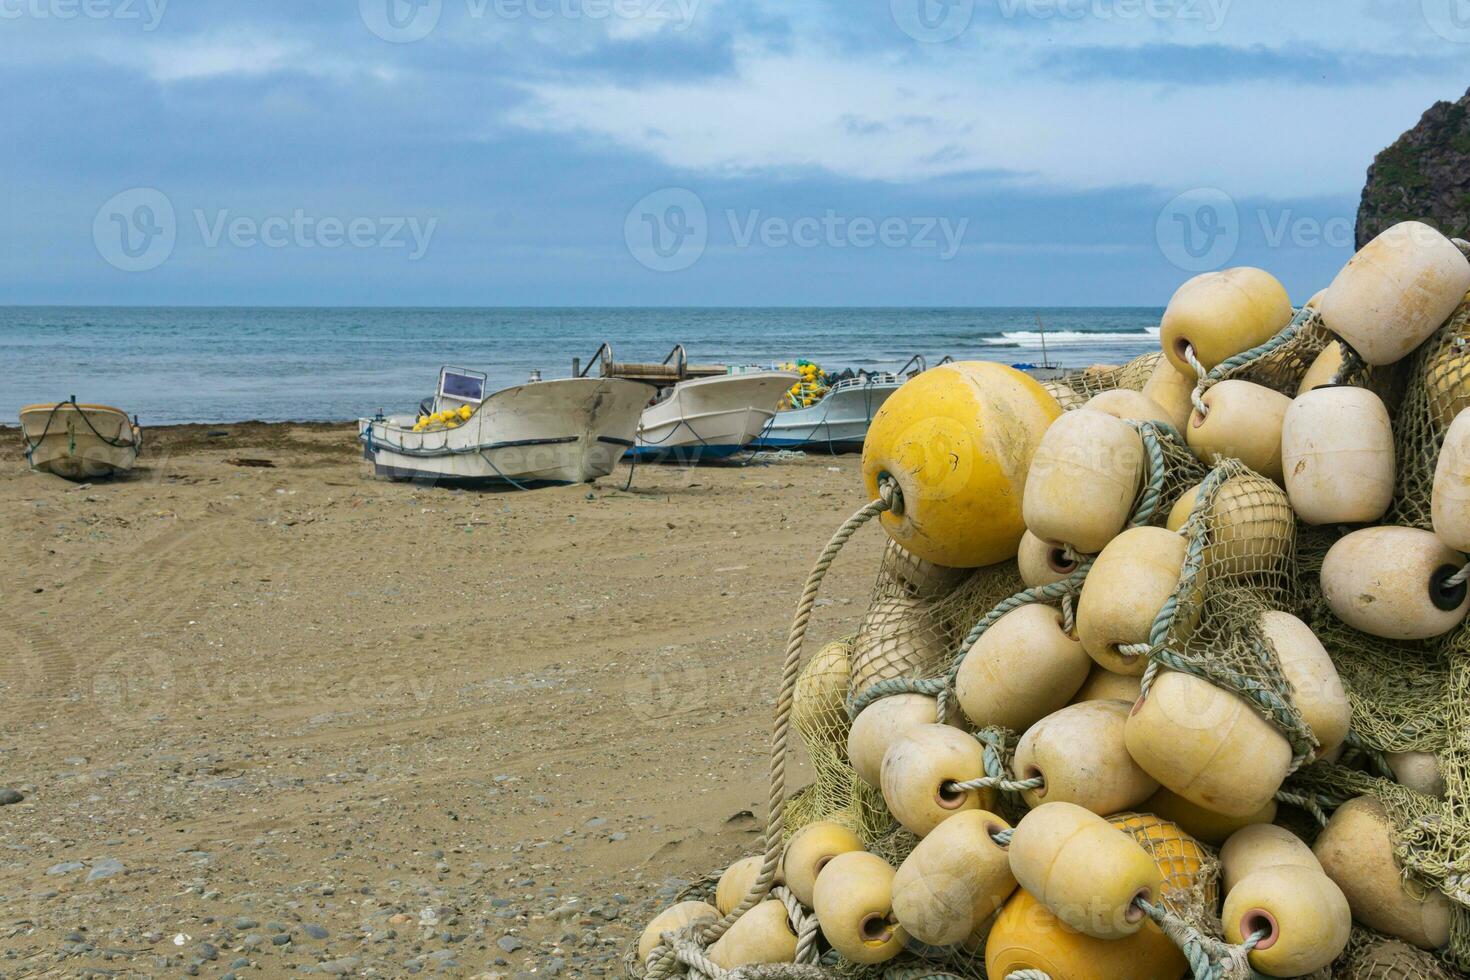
(248, 461)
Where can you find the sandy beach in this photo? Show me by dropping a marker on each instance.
(288, 718)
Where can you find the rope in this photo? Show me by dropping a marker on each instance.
(1307, 801)
(889, 499)
(1463, 246)
(1209, 958)
(1028, 975)
(1304, 318)
(997, 782)
(1281, 713)
(1459, 578)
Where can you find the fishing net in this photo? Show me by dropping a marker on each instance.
(1245, 555)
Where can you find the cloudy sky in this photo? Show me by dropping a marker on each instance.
(695, 152)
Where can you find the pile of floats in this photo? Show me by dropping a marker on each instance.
(1137, 801)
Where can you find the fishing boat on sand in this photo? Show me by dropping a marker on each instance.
(701, 412)
(80, 441)
(543, 433)
(837, 419)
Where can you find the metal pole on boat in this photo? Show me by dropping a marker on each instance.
(1045, 358)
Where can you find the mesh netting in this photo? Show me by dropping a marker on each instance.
(1246, 555)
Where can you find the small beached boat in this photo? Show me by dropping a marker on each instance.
(80, 441)
(701, 411)
(710, 418)
(838, 421)
(544, 433)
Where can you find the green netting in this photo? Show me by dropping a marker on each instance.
(1246, 555)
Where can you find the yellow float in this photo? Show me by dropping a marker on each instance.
(1337, 456)
(1083, 480)
(810, 850)
(1450, 502)
(1316, 688)
(958, 441)
(1304, 916)
(819, 701)
(1079, 751)
(1396, 291)
(880, 725)
(1024, 667)
(1394, 582)
(1041, 563)
(952, 884)
(1104, 685)
(1356, 851)
(762, 935)
(1126, 404)
(1172, 391)
(1027, 936)
(1220, 314)
(1420, 771)
(1206, 825)
(854, 906)
(672, 919)
(1251, 527)
(1243, 422)
(1086, 871)
(1128, 584)
(1207, 745)
(919, 771)
(737, 882)
(1260, 846)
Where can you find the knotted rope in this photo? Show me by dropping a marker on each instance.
(1209, 958)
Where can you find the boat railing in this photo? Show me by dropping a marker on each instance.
(917, 362)
(603, 356)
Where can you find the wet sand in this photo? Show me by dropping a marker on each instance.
(267, 719)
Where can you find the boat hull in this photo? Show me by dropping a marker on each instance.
(710, 418)
(837, 424)
(80, 442)
(550, 433)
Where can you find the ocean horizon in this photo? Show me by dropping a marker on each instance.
(187, 364)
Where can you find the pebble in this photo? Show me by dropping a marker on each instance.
(316, 932)
(509, 943)
(9, 796)
(64, 868)
(280, 939)
(105, 868)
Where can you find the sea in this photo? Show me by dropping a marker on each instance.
(175, 365)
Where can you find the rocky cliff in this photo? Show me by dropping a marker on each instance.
(1425, 175)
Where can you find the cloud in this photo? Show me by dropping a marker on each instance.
(1219, 64)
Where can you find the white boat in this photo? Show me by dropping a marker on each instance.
(544, 433)
(710, 418)
(80, 441)
(838, 423)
